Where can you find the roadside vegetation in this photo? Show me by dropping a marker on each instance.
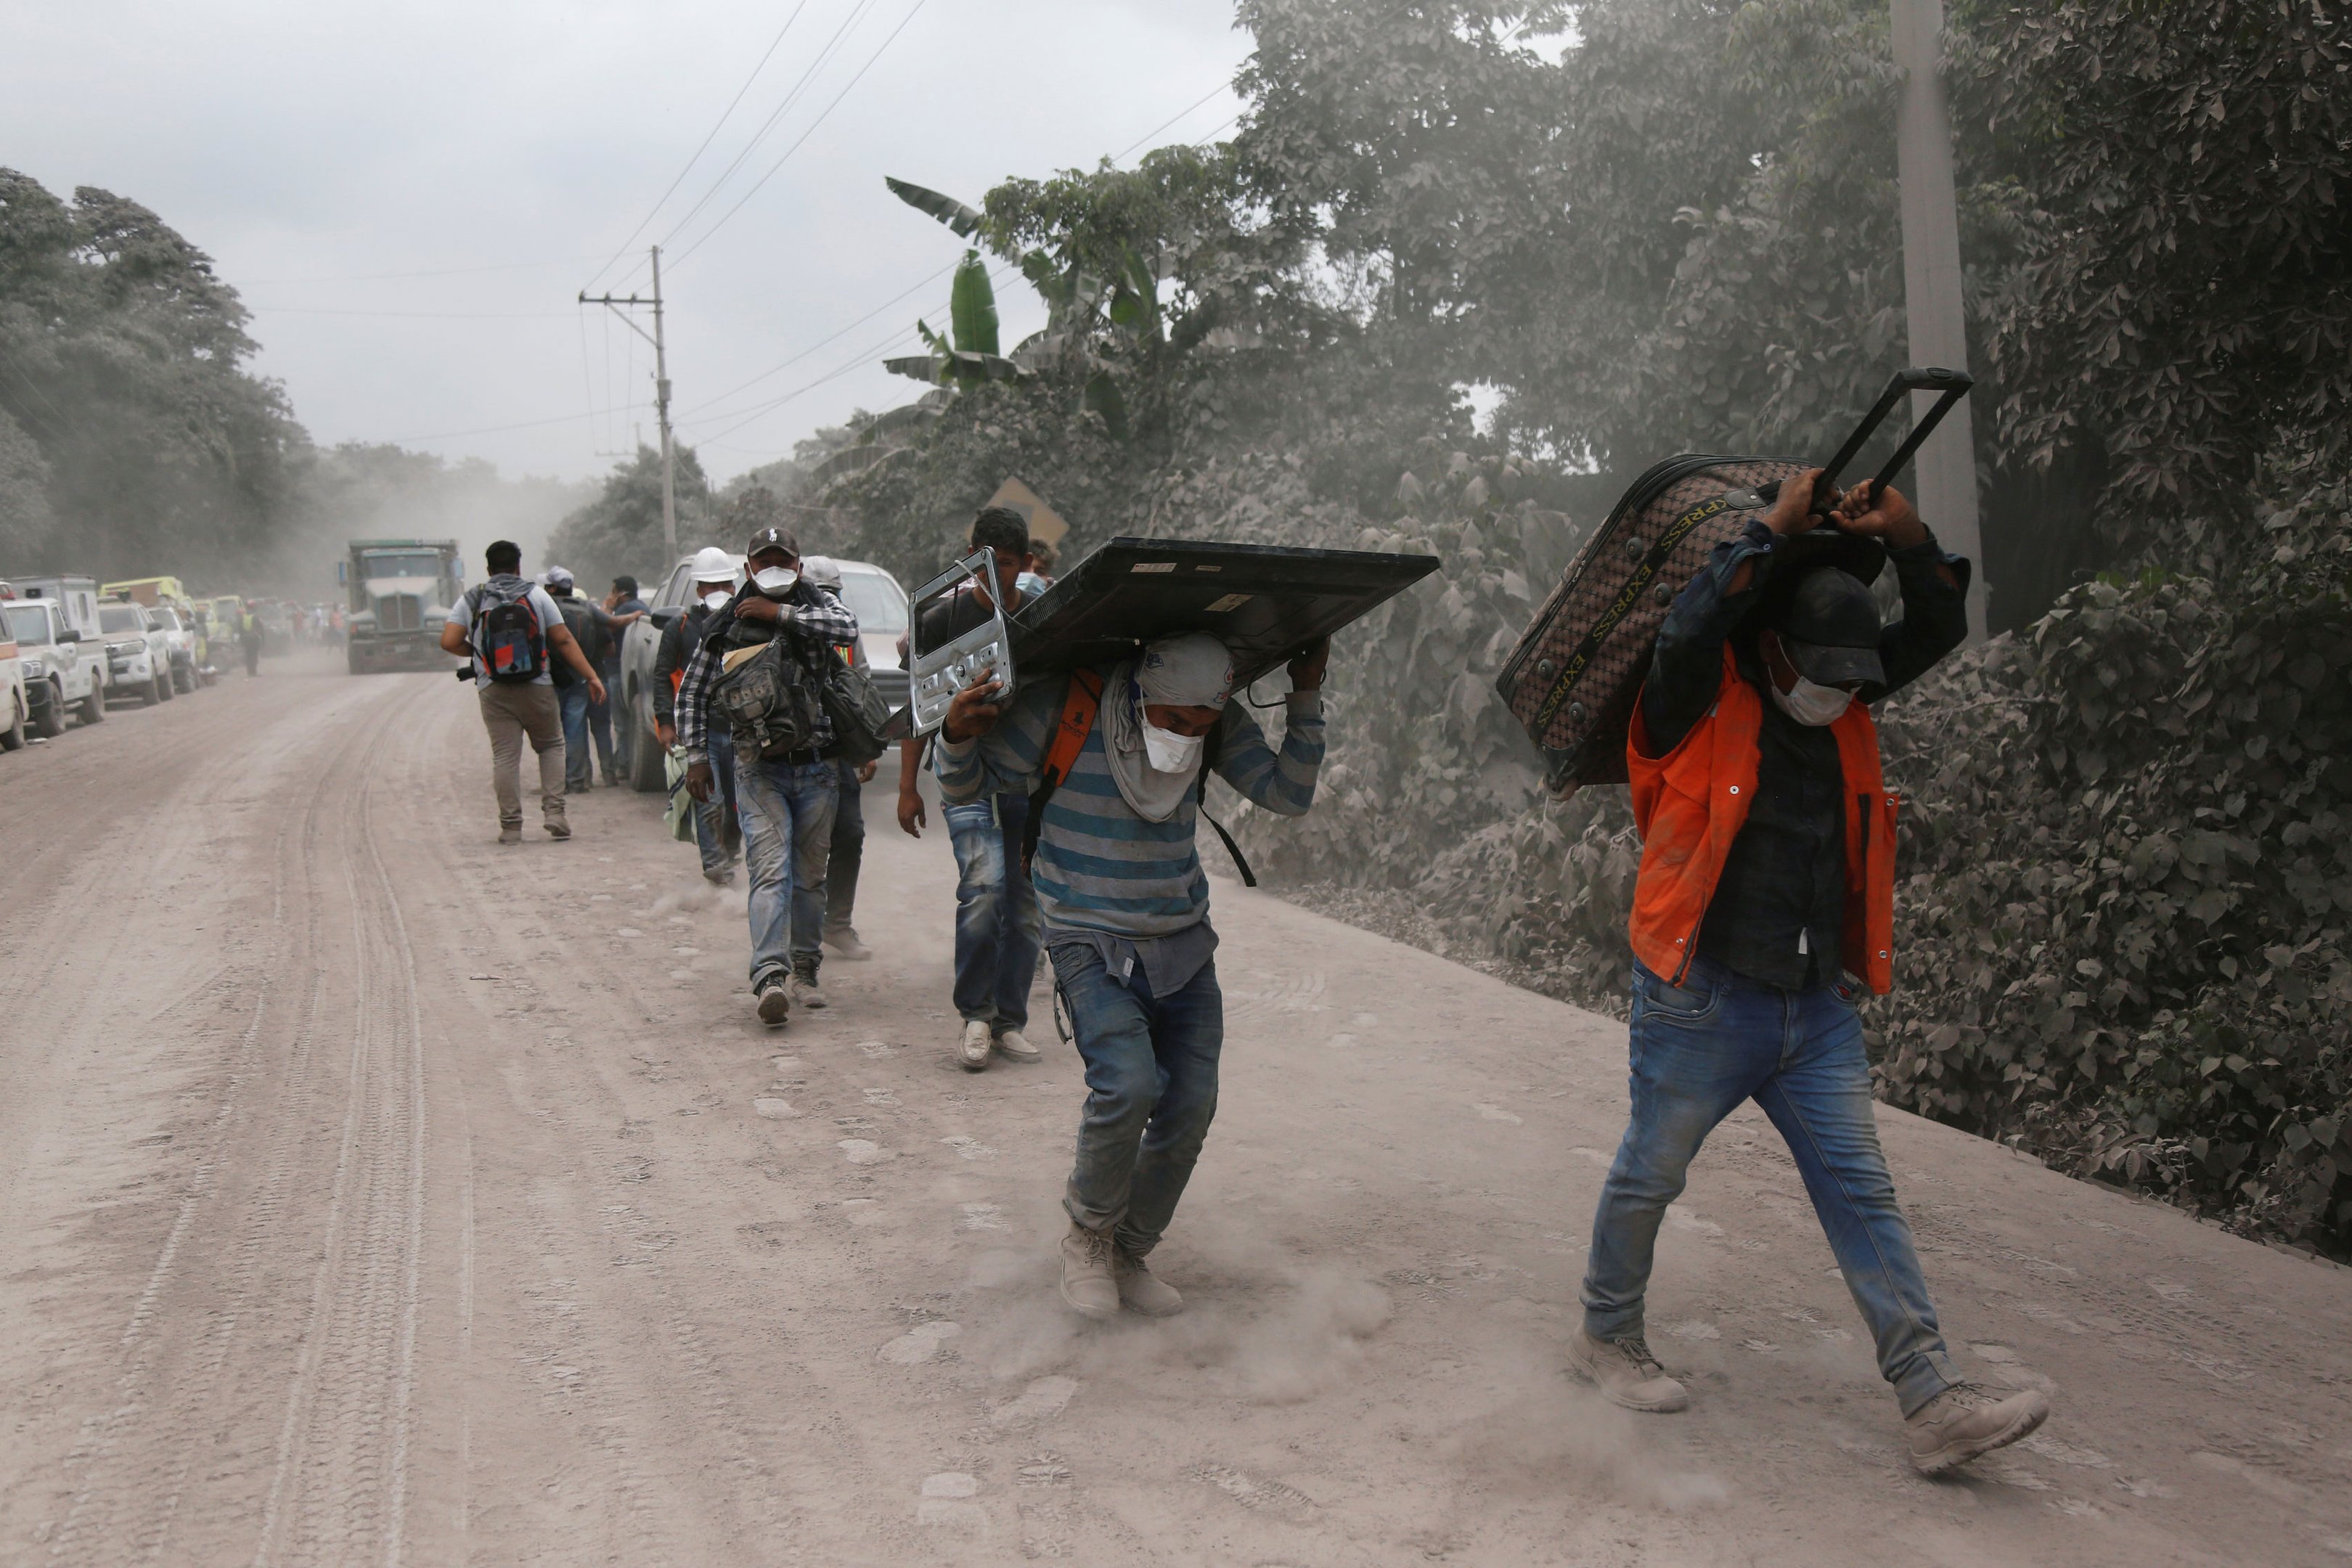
(1634, 226)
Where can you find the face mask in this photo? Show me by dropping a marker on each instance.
(1169, 753)
(716, 599)
(776, 581)
(1812, 704)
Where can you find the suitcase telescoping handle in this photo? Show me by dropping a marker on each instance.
(1953, 385)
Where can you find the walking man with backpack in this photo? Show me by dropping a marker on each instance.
(596, 629)
(1764, 907)
(1121, 756)
(759, 665)
(513, 633)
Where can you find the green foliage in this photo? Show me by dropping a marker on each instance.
(620, 529)
(119, 365)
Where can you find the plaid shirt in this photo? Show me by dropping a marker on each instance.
(812, 612)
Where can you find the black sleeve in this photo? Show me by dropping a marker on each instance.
(668, 659)
(1686, 666)
(1935, 616)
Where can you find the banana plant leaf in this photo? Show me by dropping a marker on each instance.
(962, 219)
(973, 306)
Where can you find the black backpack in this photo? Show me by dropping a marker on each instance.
(507, 638)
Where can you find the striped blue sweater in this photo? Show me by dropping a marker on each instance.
(1100, 867)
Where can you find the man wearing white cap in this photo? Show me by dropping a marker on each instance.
(717, 832)
(1121, 755)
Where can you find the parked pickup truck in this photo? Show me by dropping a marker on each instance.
(15, 706)
(872, 595)
(61, 672)
(138, 655)
(180, 639)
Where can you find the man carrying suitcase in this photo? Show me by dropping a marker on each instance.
(1764, 905)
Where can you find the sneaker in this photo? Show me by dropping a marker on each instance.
(558, 828)
(1626, 1373)
(845, 943)
(972, 1049)
(775, 1000)
(510, 833)
(721, 879)
(806, 994)
(1140, 1289)
(1087, 1285)
(1014, 1045)
(1966, 1421)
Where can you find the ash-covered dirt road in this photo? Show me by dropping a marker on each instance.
(371, 1194)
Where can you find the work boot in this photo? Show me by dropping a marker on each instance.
(557, 827)
(804, 990)
(723, 877)
(1964, 1421)
(510, 832)
(972, 1049)
(774, 997)
(843, 942)
(1014, 1045)
(1626, 1373)
(1087, 1282)
(1140, 1289)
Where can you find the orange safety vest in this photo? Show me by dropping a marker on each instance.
(1690, 804)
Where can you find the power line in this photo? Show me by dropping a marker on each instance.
(436, 272)
(412, 315)
(773, 44)
(522, 425)
(1221, 86)
(856, 14)
(787, 364)
(795, 147)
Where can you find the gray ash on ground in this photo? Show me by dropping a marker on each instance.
(1402, 917)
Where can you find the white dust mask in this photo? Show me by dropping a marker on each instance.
(1808, 703)
(716, 599)
(1169, 753)
(775, 581)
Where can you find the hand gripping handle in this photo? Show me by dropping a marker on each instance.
(1953, 385)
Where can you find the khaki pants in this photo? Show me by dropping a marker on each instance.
(509, 713)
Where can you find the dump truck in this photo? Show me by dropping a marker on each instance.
(401, 594)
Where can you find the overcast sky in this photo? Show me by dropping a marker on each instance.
(493, 157)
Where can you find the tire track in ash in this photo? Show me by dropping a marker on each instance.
(153, 1424)
(338, 1491)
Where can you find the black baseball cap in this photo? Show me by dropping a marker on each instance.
(772, 538)
(1829, 625)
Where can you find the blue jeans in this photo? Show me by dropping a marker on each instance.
(848, 851)
(717, 832)
(787, 811)
(1700, 1048)
(600, 723)
(1151, 1091)
(572, 701)
(997, 923)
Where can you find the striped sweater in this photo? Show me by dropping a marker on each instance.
(1099, 867)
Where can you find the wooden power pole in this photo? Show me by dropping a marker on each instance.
(1931, 285)
(621, 307)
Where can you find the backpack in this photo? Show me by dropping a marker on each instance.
(1079, 710)
(580, 625)
(507, 638)
(769, 705)
(859, 714)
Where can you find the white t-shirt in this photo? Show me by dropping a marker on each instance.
(542, 606)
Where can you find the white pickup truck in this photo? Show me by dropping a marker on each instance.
(60, 671)
(15, 706)
(138, 652)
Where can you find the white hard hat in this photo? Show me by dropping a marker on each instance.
(712, 565)
(822, 570)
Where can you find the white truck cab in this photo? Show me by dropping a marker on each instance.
(138, 651)
(16, 705)
(60, 671)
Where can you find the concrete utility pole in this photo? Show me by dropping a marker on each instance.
(621, 307)
(1931, 285)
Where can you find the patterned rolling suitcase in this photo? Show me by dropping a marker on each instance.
(1574, 675)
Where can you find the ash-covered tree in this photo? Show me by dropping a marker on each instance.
(620, 529)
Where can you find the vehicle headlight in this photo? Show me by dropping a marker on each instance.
(34, 669)
(122, 647)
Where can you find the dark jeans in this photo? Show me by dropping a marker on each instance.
(1700, 1048)
(1151, 1091)
(997, 922)
(579, 772)
(600, 724)
(718, 830)
(848, 853)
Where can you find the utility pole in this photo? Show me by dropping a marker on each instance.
(621, 307)
(1931, 285)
